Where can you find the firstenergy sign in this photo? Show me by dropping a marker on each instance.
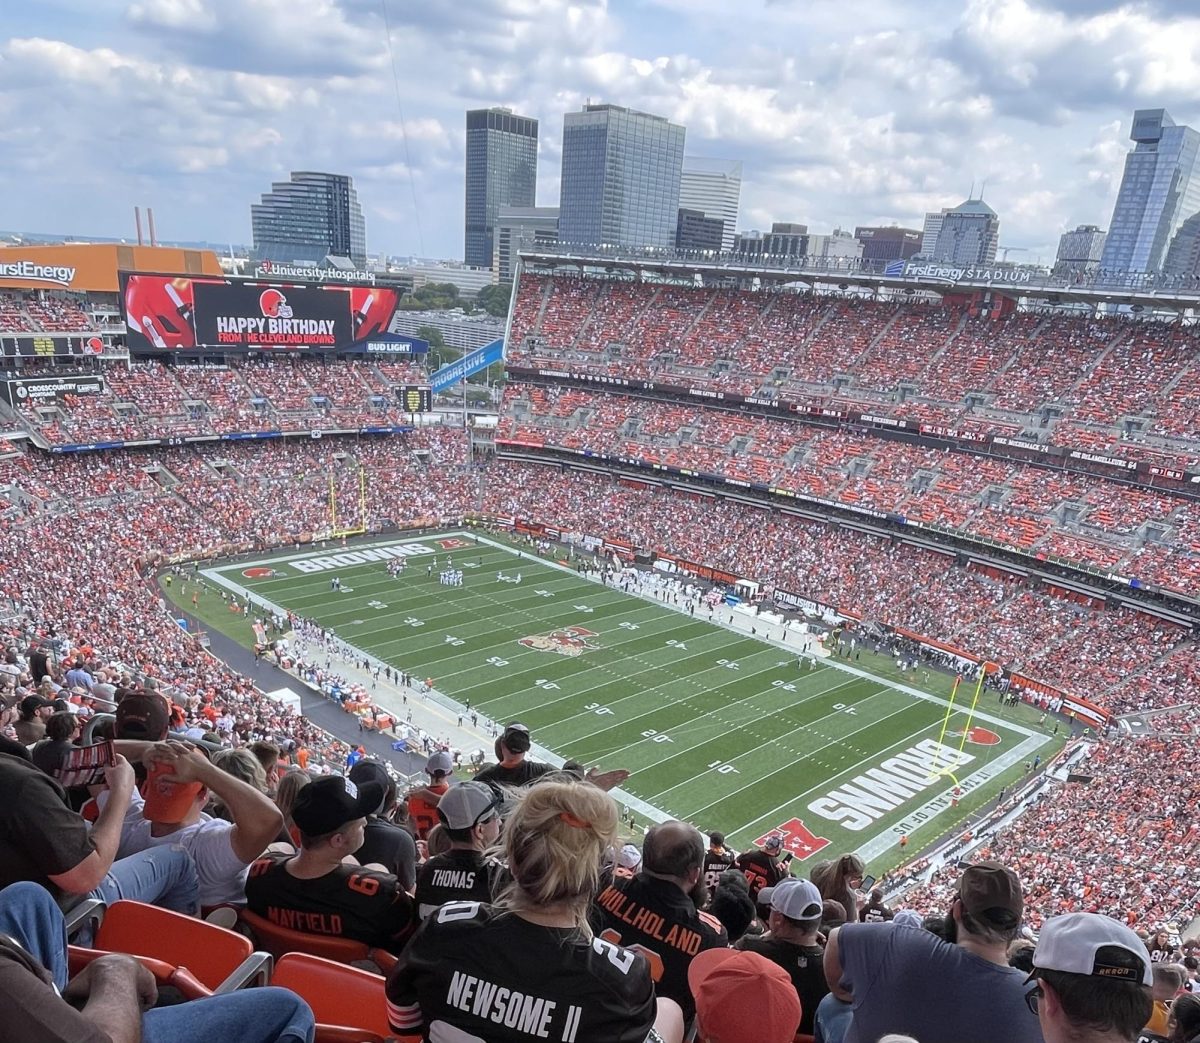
(877, 792)
(31, 271)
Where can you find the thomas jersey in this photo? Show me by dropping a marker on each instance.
(476, 974)
(456, 876)
(656, 918)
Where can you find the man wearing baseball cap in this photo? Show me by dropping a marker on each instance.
(31, 724)
(912, 982)
(470, 813)
(763, 868)
(1093, 980)
(514, 769)
(742, 997)
(315, 891)
(423, 801)
(791, 941)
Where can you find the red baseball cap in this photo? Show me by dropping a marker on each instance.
(742, 997)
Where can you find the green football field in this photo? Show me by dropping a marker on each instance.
(724, 730)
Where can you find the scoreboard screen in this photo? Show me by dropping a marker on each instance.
(415, 399)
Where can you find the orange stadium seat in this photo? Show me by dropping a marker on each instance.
(279, 941)
(349, 1003)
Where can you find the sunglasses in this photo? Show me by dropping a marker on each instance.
(1032, 997)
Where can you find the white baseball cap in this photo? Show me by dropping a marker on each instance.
(629, 857)
(1075, 944)
(794, 898)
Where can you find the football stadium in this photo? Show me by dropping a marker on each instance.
(751, 645)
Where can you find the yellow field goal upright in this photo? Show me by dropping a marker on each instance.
(334, 530)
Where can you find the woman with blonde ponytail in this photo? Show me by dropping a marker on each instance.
(527, 966)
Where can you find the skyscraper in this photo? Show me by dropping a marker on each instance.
(714, 187)
(969, 235)
(929, 231)
(889, 242)
(1160, 189)
(521, 228)
(501, 171)
(308, 218)
(1080, 250)
(620, 178)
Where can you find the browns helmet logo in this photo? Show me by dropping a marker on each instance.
(259, 573)
(570, 641)
(979, 736)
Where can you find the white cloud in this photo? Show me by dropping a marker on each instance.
(844, 111)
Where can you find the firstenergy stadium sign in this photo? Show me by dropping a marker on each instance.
(31, 271)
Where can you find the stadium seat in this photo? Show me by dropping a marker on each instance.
(279, 941)
(347, 1002)
(197, 958)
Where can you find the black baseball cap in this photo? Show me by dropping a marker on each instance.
(33, 703)
(516, 737)
(327, 804)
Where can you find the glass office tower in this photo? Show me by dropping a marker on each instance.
(1160, 190)
(501, 171)
(620, 178)
(308, 218)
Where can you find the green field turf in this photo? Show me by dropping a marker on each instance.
(723, 730)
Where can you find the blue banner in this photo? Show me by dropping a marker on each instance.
(478, 359)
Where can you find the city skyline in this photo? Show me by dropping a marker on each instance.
(880, 115)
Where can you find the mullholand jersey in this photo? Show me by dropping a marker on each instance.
(654, 917)
(476, 974)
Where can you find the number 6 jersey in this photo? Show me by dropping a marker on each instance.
(476, 974)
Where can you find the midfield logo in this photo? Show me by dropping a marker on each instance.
(569, 641)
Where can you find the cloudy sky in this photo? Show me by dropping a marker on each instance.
(843, 111)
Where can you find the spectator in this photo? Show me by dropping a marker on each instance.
(1185, 1019)
(8, 714)
(662, 902)
(731, 903)
(31, 725)
(1020, 954)
(1093, 980)
(898, 978)
(290, 785)
(385, 844)
(717, 859)
(762, 868)
(1167, 984)
(742, 997)
(791, 942)
(316, 891)
(513, 769)
(533, 946)
(840, 882)
(875, 911)
(423, 802)
(181, 782)
(267, 755)
(62, 729)
(44, 841)
(110, 999)
(470, 814)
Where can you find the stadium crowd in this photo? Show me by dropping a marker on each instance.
(1056, 378)
(1093, 521)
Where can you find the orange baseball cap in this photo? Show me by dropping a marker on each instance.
(742, 997)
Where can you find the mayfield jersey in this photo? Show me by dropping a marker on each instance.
(715, 863)
(654, 917)
(761, 870)
(476, 974)
(350, 902)
(456, 876)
